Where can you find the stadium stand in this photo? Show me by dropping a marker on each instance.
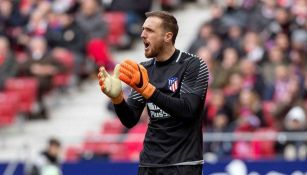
(255, 50)
(26, 90)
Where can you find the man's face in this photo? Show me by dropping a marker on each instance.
(153, 36)
(54, 150)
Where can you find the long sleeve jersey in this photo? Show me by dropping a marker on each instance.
(174, 134)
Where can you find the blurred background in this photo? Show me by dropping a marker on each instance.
(53, 113)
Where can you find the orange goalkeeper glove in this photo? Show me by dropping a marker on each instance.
(136, 76)
(111, 85)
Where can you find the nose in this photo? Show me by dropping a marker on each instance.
(143, 34)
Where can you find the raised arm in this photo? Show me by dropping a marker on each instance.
(192, 93)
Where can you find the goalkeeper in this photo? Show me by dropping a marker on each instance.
(172, 85)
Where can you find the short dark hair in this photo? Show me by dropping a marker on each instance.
(169, 22)
(54, 142)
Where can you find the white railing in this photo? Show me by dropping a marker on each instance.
(207, 137)
(213, 137)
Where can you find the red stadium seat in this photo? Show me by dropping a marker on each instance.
(268, 117)
(109, 148)
(263, 148)
(8, 110)
(119, 152)
(116, 23)
(113, 126)
(66, 58)
(72, 154)
(26, 88)
(257, 148)
(99, 147)
(134, 142)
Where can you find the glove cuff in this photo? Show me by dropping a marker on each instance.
(118, 99)
(148, 91)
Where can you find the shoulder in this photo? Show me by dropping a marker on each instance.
(39, 160)
(188, 55)
(147, 63)
(192, 60)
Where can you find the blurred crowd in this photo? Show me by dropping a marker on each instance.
(60, 43)
(256, 51)
(257, 56)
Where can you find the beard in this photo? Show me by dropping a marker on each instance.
(154, 51)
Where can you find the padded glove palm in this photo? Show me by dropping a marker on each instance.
(136, 76)
(111, 85)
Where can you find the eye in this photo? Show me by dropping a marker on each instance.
(147, 29)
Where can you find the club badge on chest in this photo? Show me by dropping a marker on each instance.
(173, 83)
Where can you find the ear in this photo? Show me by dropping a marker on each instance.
(168, 37)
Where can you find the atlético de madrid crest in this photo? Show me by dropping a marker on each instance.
(173, 83)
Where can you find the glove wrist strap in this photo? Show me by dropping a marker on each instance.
(148, 91)
(118, 99)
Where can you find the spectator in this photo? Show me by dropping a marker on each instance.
(59, 6)
(216, 21)
(37, 25)
(6, 8)
(233, 15)
(249, 111)
(214, 44)
(261, 16)
(252, 47)
(233, 88)
(12, 18)
(281, 84)
(282, 42)
(295, 121)
(274, 58)
(290, 98)
(297, 66)
(250, 119)
(217, 105)
(229, 64)
(205, 31)
(280, 24)
(305, 87)
(68, 35)
(233, 38)
(90, 20)
(252, 78)
(136, 7)
(298, 9)
(8, 66)
(299, 40)
(219, 149)
(42, 66)
(47, 162)
(135, 10)
(205, 54)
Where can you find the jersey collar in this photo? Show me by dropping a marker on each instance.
(170, 60)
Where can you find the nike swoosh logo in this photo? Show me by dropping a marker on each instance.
(139, 85)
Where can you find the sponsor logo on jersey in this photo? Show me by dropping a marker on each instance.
(173, 84)
(156, 112)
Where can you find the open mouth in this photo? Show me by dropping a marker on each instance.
(146, 44)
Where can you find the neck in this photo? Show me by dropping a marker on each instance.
(166, 54)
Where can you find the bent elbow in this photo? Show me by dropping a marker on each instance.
(129, 126)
